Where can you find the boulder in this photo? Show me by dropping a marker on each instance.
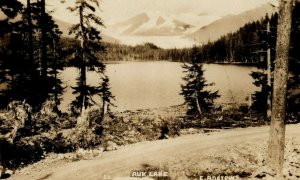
(110, 146)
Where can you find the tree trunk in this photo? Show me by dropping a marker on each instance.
(30, 38)
(198, 105)
(56, 88)
(269, 106)
(103, 109)
(82, 118)
(277, 128)
(43, 47)
(83, 63)
(55, 73)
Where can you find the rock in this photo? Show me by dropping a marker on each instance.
(10, 172)
(98, 152)
(126, 119)
(264, 173)
(2, 170)
(110, 146)
(81, 152)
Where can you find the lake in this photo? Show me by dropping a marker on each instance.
(141, 85)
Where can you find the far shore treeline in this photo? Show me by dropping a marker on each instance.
(246, 46)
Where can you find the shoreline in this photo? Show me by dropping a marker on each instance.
(206, 62)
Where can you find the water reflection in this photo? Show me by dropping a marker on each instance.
(139, 85)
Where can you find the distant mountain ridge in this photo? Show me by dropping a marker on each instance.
(65, 26)
(130, 25)
(230, 23)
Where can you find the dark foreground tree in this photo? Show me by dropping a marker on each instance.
(293, 96)
(55, 55)
(196, 95)
(85, 55)
(263, 77)
(277, 129)
(16, 68)
(20, 61)
(260, 77)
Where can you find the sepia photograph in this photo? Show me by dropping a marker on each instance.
(150, 89)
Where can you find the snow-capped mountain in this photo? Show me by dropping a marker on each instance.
(181, 30)
(159, 24)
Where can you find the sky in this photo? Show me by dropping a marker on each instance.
(195, 12)
(117, 10)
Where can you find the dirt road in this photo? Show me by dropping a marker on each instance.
(178, 154)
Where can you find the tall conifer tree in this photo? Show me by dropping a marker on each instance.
(196, 95)
(85, 55)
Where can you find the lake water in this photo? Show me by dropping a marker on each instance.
(140, 85)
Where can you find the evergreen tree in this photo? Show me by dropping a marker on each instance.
(85, 55)
(15, 67)
(260, 77)
(259, 98)
(19, 65)
(106, 96)
(294, 65)
(196, 95)
(54, 65)
(15, 74)
(48, 54)
(267, 43)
